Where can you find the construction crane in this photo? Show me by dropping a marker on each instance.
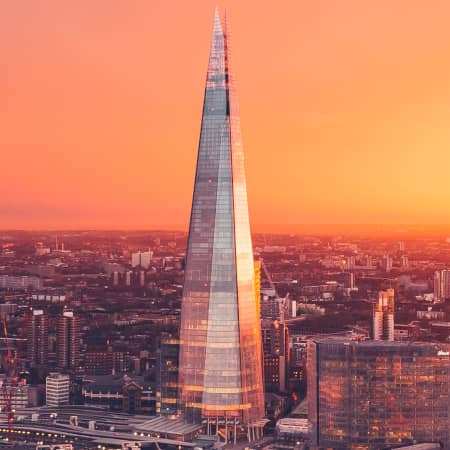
(11, 381)
(282, 301)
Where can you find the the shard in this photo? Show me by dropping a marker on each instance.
(220, 370)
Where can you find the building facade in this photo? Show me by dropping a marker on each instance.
(141, 259)
(168, 374)
(37, 338)
(220, 370)
(68, 341)
(378, 394)
(383, 316)
(20, 283)
(275, 339)
(57, 389)
(16, 392)
(441, 285)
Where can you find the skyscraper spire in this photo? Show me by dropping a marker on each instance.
(220, 350)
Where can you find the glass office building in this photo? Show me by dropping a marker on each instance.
(220, 369)
(378, 394)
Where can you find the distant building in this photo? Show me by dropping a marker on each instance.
(141, 278)
(57, 389)
(41, 251)
(141, 259)
(110, 268)
(387, 263)
(441, 285)
(404, 261)
(68, 341)
(383, 316)
(375, 395)
(429, 314)
(49, 298)
(41, 270)
(20, 283)
(7, 310)
(349, 263)
(37, 338)
(349, 280)
(116, 278)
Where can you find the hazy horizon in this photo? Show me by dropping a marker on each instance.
(344, 110)
(394, 230)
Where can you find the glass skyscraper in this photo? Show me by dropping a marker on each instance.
(220, 368)
(378, 394)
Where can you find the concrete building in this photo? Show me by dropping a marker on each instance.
(20, 283)
(17, 392)
(37, 336)
(57, 389)
(68, 341)
(141, 259)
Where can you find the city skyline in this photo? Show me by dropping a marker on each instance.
(353, 112)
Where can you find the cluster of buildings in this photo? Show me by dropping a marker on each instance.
(320, 342)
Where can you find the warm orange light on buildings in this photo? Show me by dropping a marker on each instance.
(344, 108)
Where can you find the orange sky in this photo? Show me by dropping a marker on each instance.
(345, 110)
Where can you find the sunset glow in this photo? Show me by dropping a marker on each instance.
(345, 111)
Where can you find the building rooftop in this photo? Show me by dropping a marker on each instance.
(167, 425)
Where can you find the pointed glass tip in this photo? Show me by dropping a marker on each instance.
(217, 21)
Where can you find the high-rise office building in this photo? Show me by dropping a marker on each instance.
(275, 339)
(37, 334)
(220, 371)
(68, 341)
(441, 285)
(383, 316)
(375, 395)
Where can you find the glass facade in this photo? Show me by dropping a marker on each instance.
(372, 395)
(220, 373)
